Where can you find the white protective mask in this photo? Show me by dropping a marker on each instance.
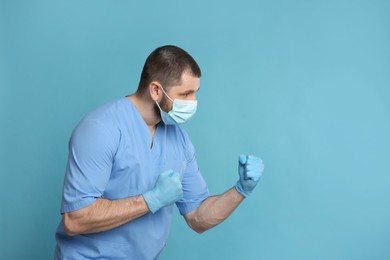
(181, 111)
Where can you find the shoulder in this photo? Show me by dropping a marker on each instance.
(109, 116)
(108, 111)
(101, 124)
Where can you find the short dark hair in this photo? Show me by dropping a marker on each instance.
(166, 65)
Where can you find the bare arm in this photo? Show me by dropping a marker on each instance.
(214, 210)
(104, 214)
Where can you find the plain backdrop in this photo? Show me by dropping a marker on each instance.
(303, 84)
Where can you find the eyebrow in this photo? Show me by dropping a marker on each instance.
(191, 91)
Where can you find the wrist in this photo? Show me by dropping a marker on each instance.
(151, 201)
(241, 190)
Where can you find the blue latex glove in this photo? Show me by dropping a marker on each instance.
(250, 169)
(168, 190)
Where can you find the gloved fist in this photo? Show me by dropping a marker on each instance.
(250, 169)
(168, 190)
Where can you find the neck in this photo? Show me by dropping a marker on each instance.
(145, 106)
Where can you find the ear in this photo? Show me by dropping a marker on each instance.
(154, 90)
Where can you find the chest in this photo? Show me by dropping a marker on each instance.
(137, 165)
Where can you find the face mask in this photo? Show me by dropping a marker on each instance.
(182, 110)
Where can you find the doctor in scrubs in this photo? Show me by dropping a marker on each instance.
(130, 162)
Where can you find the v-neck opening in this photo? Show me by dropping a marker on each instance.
(155, 137)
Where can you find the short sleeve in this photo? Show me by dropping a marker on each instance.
(92, 148)
(195, 189)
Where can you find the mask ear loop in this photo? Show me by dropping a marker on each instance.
(158, 105)
(165, 129)
(165, 145)
(166, 96)
(165, 93)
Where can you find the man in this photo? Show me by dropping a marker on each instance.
(129, 162)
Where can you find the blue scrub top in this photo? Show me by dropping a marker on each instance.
(110, 156)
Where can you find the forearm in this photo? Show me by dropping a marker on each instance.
(104, 214)
(214, 210)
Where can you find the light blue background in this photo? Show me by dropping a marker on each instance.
(303, 84)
